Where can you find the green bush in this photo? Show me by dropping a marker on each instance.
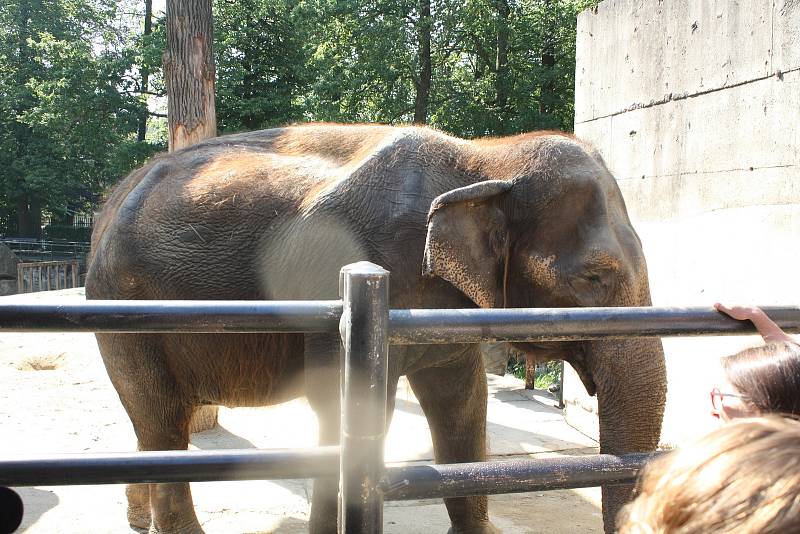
(80, 234)
(543, 380)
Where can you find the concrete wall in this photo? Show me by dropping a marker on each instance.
(695, 106)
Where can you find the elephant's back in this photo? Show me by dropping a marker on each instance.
(196, 221)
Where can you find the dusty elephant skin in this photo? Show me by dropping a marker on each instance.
(530, 220)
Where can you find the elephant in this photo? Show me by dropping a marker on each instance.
(532, 220)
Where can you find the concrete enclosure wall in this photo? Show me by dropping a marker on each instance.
(695, 106)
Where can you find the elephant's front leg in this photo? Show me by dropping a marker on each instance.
(453, 398)
(322, 390)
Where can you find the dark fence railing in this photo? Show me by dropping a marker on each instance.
(406, 327)
(367, 327)
(46, 250)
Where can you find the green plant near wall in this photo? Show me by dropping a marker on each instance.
(551, 375)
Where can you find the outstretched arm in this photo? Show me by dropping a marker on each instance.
(766, 327)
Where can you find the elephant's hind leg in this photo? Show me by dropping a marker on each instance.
(160, 413)
(454, 398)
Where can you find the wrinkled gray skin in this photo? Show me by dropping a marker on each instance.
(531, 220)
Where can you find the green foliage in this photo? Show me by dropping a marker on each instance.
(551, 375)
(261, 49)
(543, 380)
(366, 59)
(71, 96)
(66, 109)
(77, 234)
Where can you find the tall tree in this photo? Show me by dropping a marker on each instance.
(262, 48)
(144, 69)
(189, 73)
(422, 82)
(66, 112)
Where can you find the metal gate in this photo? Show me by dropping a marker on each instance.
(367, 327)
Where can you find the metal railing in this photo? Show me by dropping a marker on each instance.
(367, 326)
(46, 250)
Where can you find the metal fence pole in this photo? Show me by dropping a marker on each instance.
(365, 335)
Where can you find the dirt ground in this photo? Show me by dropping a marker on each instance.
(55, 397)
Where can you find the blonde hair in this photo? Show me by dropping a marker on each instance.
(743, 478)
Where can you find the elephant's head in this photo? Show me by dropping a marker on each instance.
(556, 234)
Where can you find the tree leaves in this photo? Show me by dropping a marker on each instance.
(71, 95)
(67, 105)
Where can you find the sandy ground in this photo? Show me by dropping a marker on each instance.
(55, 397)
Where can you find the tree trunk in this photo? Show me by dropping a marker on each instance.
(189, 73)
(530, 373)
(425, 69)
(29, 217)
(148, 29)
(547, 88)
(501, 59)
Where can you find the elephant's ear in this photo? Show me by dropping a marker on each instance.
(467, 241)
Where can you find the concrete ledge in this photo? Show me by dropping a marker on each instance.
(688, 195)
(751, 126)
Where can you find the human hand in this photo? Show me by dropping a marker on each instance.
(765, 326)
(742, 313)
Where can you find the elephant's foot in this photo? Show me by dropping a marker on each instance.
(481, 528)
(187, 528)
(139, 517)
(138, 496)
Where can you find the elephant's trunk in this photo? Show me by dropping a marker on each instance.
(631, 385)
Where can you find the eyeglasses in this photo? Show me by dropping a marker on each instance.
(717, 398)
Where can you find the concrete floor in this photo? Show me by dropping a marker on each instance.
(55, 397)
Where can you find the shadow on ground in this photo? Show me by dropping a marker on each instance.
(36, 502)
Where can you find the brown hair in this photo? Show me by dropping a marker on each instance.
(743, 478)
(769, 376)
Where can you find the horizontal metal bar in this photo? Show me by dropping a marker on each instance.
(569, 324)
(169, 466)
(405, 326)
(401, 482)
(512, 476)
(210, 316)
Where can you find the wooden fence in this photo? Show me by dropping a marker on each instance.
(47, 275)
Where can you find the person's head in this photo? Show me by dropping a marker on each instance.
(759, 380)
(743, 478)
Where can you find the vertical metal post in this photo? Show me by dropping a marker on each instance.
(365, 338)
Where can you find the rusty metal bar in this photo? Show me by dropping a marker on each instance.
(405, 326)
(510, 476)
(400, 481)
(570, 324)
